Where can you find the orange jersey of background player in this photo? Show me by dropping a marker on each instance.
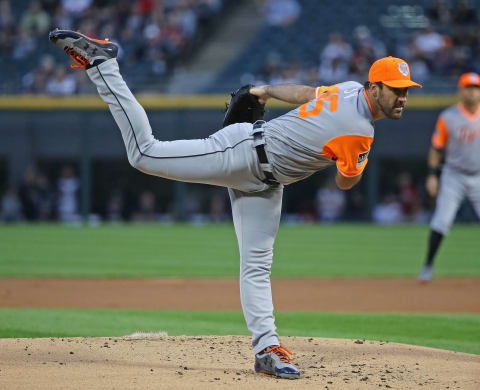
(458, 131)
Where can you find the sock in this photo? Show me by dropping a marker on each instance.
(433, 244)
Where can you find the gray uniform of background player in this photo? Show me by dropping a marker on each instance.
(228, 158)
(460, 176)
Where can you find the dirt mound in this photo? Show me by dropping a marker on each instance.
(217, 362)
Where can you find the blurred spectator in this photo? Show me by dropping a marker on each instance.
(363, 40)
(168, 27)
(61, 83)
(464, 14)
(366, 50)
(330, 202)
(36, 81)
(46, 198)
(281, 12)
(409, 197)
(439, 12)
(83, 84)
(419, 69)
(76, 7)
(336, 49)
(292, 74)
(6, 16)
(35, 20)
(115, 206)
(24, 44)
(271, 70)
(67, 186)
(29, 195)
(459, 63)
(334, 60)
(333, 72)
(62, 18)
(428, 44)
(10, 206)
(218, 207)
(388, 211)
(146, 211)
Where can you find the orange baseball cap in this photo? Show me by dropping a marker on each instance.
(391, 71)
(467, 79)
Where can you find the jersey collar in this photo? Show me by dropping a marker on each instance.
(467, 114)
(366, 105)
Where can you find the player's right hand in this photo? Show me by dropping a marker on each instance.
(432, 185)
(261, 92)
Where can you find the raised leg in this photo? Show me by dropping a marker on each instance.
(226, 158)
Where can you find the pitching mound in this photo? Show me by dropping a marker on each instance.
(217, 362)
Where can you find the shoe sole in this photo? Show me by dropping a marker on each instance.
(283, 376)
(87, 47)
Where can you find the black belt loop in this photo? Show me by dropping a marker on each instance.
(262, 156)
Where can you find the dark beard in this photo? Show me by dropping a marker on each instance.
(388, 113)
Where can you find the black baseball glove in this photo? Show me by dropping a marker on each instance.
(243, 107)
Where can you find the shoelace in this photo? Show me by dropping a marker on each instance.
(282, 352)
(81, 61)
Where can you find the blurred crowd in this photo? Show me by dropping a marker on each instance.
(152, 34)
(38, 199)
(447, 46)
(41, 198)
(57, 198)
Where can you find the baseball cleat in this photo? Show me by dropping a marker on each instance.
(85, 51)
(275, 360)
(426, 274)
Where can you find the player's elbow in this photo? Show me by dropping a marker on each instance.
(345, 186)
(346, 183)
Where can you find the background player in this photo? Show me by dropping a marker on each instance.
(457, 140)
(333, 125)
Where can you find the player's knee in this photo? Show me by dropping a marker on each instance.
(136, 161)
(442, 227)
(257, 262)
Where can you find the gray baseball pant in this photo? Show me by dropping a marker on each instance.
(227, 158)
(454, 187)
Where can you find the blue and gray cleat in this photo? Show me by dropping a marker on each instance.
(85, 51)
(275, 360)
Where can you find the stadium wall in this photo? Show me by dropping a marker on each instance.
(80, 129)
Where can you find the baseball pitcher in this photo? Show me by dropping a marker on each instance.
(331, 125)
(457, 140)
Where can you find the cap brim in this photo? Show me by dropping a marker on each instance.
(401, 83)
(469, 85)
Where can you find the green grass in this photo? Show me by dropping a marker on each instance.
(458, 332)
(344, 250)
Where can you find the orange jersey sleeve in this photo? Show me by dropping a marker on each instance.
(350, 152)
(440, 136)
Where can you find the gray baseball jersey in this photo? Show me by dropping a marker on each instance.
(457, 132)
(333, 128)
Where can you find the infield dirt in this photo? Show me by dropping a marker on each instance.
(450, 295)
(206, 362)
(224, 362)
